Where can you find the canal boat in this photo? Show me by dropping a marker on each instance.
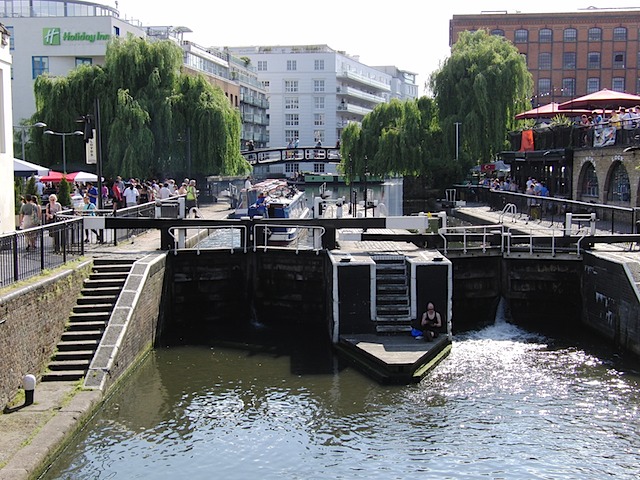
(273, 198)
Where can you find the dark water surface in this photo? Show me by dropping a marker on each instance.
(505, 404)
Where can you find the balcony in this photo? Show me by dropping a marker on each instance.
(359, 94)
(364, 80)
(577, 137)
(355, 109)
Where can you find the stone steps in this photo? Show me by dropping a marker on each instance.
(88, 320)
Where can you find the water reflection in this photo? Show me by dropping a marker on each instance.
(506, 403)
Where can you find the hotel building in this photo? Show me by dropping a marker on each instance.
(568, 54)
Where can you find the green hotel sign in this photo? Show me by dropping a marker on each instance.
(55, 36)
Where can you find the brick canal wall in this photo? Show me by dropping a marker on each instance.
(32, 319)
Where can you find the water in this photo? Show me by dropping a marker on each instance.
(506, 403)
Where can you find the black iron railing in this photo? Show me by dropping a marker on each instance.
(27, 253)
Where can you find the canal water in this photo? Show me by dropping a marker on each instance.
(506, 403)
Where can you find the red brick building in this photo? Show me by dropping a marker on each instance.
(568, 54)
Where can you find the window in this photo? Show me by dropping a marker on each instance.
(570, 35)
(569, 60)
(318, 103)
(318, 64)
(318, 136)
(318, 119)
(546, 35)
(618, 60)
(39, 65)
(595, 34)
(116, 31)
(318, 168)
(593, 85)
(619, 34)
(497, 31)
(590, 182)
(521, 36)
(291, 103)
(617, 84)
(292, 136)
(291, 119)
(291, 167)
(593, 60)
(291, 86)
(544, 86)
(262, 65)
(265, 85)
(568, 87)
(318, 85)
(292, 65)
(83, 61)
(619, 186)
(11, 39)
(544, 61)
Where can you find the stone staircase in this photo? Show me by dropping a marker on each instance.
(393, 305)
(88, 320)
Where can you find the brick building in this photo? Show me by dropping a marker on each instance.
(568, 54)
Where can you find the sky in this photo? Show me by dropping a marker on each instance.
(413, 36)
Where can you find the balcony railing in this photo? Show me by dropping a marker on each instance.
(577, 136)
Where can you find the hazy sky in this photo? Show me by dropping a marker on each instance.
(412, 34)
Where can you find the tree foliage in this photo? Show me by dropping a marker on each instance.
(155, 119)
(483, 85)
(399, 137)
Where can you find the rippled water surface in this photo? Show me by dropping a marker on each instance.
(504, 404)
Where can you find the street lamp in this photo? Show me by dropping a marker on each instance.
(23, 128)
(64, 150)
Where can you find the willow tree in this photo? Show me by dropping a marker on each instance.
(144, 112)
(399, 137)
(482, 85)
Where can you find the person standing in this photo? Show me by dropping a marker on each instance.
(131, 195)
(52, 209)
(89, 209)
(29, 218)
(92, 192)
(192, 196)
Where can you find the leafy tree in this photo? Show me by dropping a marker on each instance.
(18, 189)
(149, 110)
(31, 186)
(64, 193)
(396, 138)
(483, 85)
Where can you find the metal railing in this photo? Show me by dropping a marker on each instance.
(612, 218)
(27, 253)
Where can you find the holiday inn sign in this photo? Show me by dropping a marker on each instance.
(55, 36)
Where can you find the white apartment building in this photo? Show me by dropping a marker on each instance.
(315, 91)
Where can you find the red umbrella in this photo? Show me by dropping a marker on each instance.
(602, 99)
(548, 111)
(52, 177)
(55, 177)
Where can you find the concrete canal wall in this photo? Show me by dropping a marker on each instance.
(611, 299)
(133, 328)
(32, 319)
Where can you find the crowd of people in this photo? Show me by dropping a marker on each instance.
(44, 205)
(625, 121)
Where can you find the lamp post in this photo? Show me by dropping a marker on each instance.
(23, 128)
(64, 150)
(457, 124)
